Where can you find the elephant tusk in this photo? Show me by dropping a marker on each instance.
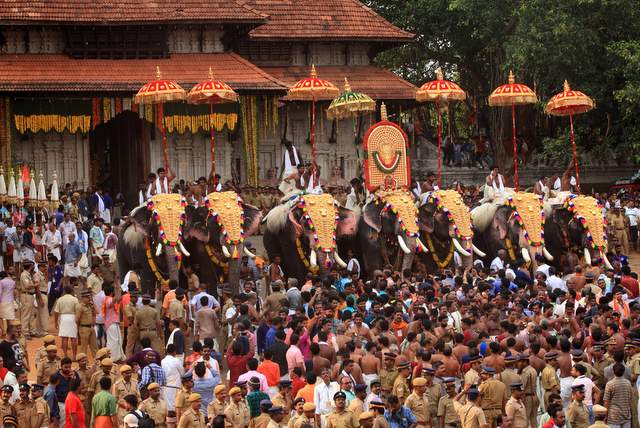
(226, 252)
(313, 258)
(606, 260)
(421, 245)
(159, 250)
(587, 256)
(248, 253)
(525, 255)
(477, 251)
(547, 255)
(459, 248)
(183, 250)
(403, 245)
(339, 260)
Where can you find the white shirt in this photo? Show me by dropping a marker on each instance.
(588, 388)
(497, 264)
(51, 240)
(558, 183)
(173, 371)
(323, 397)
(212, 303)
(98, 299)
(65, 229)
(633, 214)
(555, 282)
(558, 309)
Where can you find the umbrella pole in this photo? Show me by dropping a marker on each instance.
(515, 154)
(313, 137)
(213, 151)
(439, 132)
(164, 137)
(575, 152)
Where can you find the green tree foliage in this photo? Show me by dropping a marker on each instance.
(594, 44)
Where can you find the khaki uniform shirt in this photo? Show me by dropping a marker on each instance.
(492, 393)
(6, 409)
(130, 312)
(25, 413)
(549, 379)
(42, 408)
(176, 310)
(343, 419)
(400, 388)
(471, 416)
(191, 419)
(145, 319)
(472, 378)
(122, 388)
(433, 393)
(508, 376)
(41, 355)
(387, 379)
(95, 380)
(261, 421)
(516, 411)
(86, 314)
(599, 424)
(85, 378)
(529, 377)
(447, 410)
(46, 368)
(238, 414)
(419, 406)
(278, 400)
(301, 420)
(26, 283)
(94, 283)
(66, 304)
(577, 415)
(181, 401)
(157, 410)
(380, 422)
(356, 406)
(215, 408)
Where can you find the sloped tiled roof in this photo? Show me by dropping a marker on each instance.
(323, 19)
(126, 11)
(378, 83)
(52, 72)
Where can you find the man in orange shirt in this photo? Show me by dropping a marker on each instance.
(307, 391)
(271, 371)
(398, 326)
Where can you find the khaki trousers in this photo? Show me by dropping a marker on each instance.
(132, 338)
(531, 404)
(28, 314)
(88, 340)
(42, 312)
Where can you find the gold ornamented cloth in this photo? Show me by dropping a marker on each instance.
(451, 201)
(226, 205)
(169, 208)
(588, 208)
(322, 213)
(403, 206)
(528, 207)
(387, 161)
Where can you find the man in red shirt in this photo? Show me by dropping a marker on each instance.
(629, 282)
(73, 408)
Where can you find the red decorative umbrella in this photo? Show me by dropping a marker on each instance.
(440, 91)
(212, 92)
(310, 89)
(157, 92)
(567, 103)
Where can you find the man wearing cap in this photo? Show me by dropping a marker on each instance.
(106, 370)
(262, 420)
(148, 324)
(84, 373)
(418, 402)
(508, 376)
(237, 411)
(217, 406)
(400, 386)
(41, 353)
(472, 376)
(308, 416)
(6, 408)
(374, 393)
(42, 311)
(529, 377)
(123, 387)
(276, 414)
(25, 407)
(471, 414)
(193, 417)
(86, 316)
(182, 397)
(446, 409)
(129, 314)
(578, 414)
(298, 406)
(28, 291)
(514, 409)
(49, 366)
(379, 421)
(600, 414)
(43, 412)
(549, 378)
(357, 404)
(283, 399)
(366, 419)
(341, 417)
(433, 390)
(155, 406)
(388, 373)
(492, 395)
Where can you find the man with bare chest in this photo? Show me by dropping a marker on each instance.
(370, 363)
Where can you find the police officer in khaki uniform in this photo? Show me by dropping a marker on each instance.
(471, 414)
(577, 414)
(84, 373)
(123, 387)
(388, 373)
(283, 399)
(43, 412)
(219, 403)
(600, 413)
(492, 396)
(308, 417)
(549, 378)
(341, 417)
(418, 402)
(86, 316)
(155, 406)
(433, 390)
(193, 417)
(182, 397)
(49, 366)
(529, 377)
(515, 409)
(148, 324)
(400, 386)
(41, 353)
(25, 407)
(28, 291)
(446, 409)
(379, 421)
(237, 411)
(129, 312)
(6, 408)
(42, 311)
(472, 376)
(509, 376)
(366, 419)
(618, 229)
(357, 404)
(263, 419)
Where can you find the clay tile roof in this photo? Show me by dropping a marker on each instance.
(36, 72)
(323, 19)
(126, 11)
(378, 83)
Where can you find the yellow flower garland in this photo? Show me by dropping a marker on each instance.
(152, 264)
(47, 122)
(442, 264)
(303, 258)
(215, 260)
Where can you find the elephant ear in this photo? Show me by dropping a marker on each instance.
(500, 222)
(426, 217)
(137, 227)
(371, 213)
(347, 222)
(252, 219)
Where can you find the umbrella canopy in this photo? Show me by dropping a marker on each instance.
(159, 91)
(440, 90)
(569, 102)
(512, 94)
(350, 104)
(212, 92)
(312, 88)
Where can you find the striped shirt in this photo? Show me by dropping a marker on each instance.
(617, 393)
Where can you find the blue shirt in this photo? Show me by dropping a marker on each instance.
(152, 373)
(73, 252)
(50, 397)
(270, 338)
(403, 418)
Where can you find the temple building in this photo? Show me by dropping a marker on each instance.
(69, 70)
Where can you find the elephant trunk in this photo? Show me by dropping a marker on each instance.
(234, 275)
(172, 263)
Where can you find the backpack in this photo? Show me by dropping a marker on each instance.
(145, 420)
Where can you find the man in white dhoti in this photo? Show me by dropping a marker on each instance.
(173, 369)
(52, 240)
(65, 320)
(291, 159)
(163, 181)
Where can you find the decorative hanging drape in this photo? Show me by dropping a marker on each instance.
(249, 114)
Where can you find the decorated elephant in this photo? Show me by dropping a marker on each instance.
(151, 240)
(304, 232)
(576, 228)
(515, 224)
(388, 232)
(216, 237)
(445, 226)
